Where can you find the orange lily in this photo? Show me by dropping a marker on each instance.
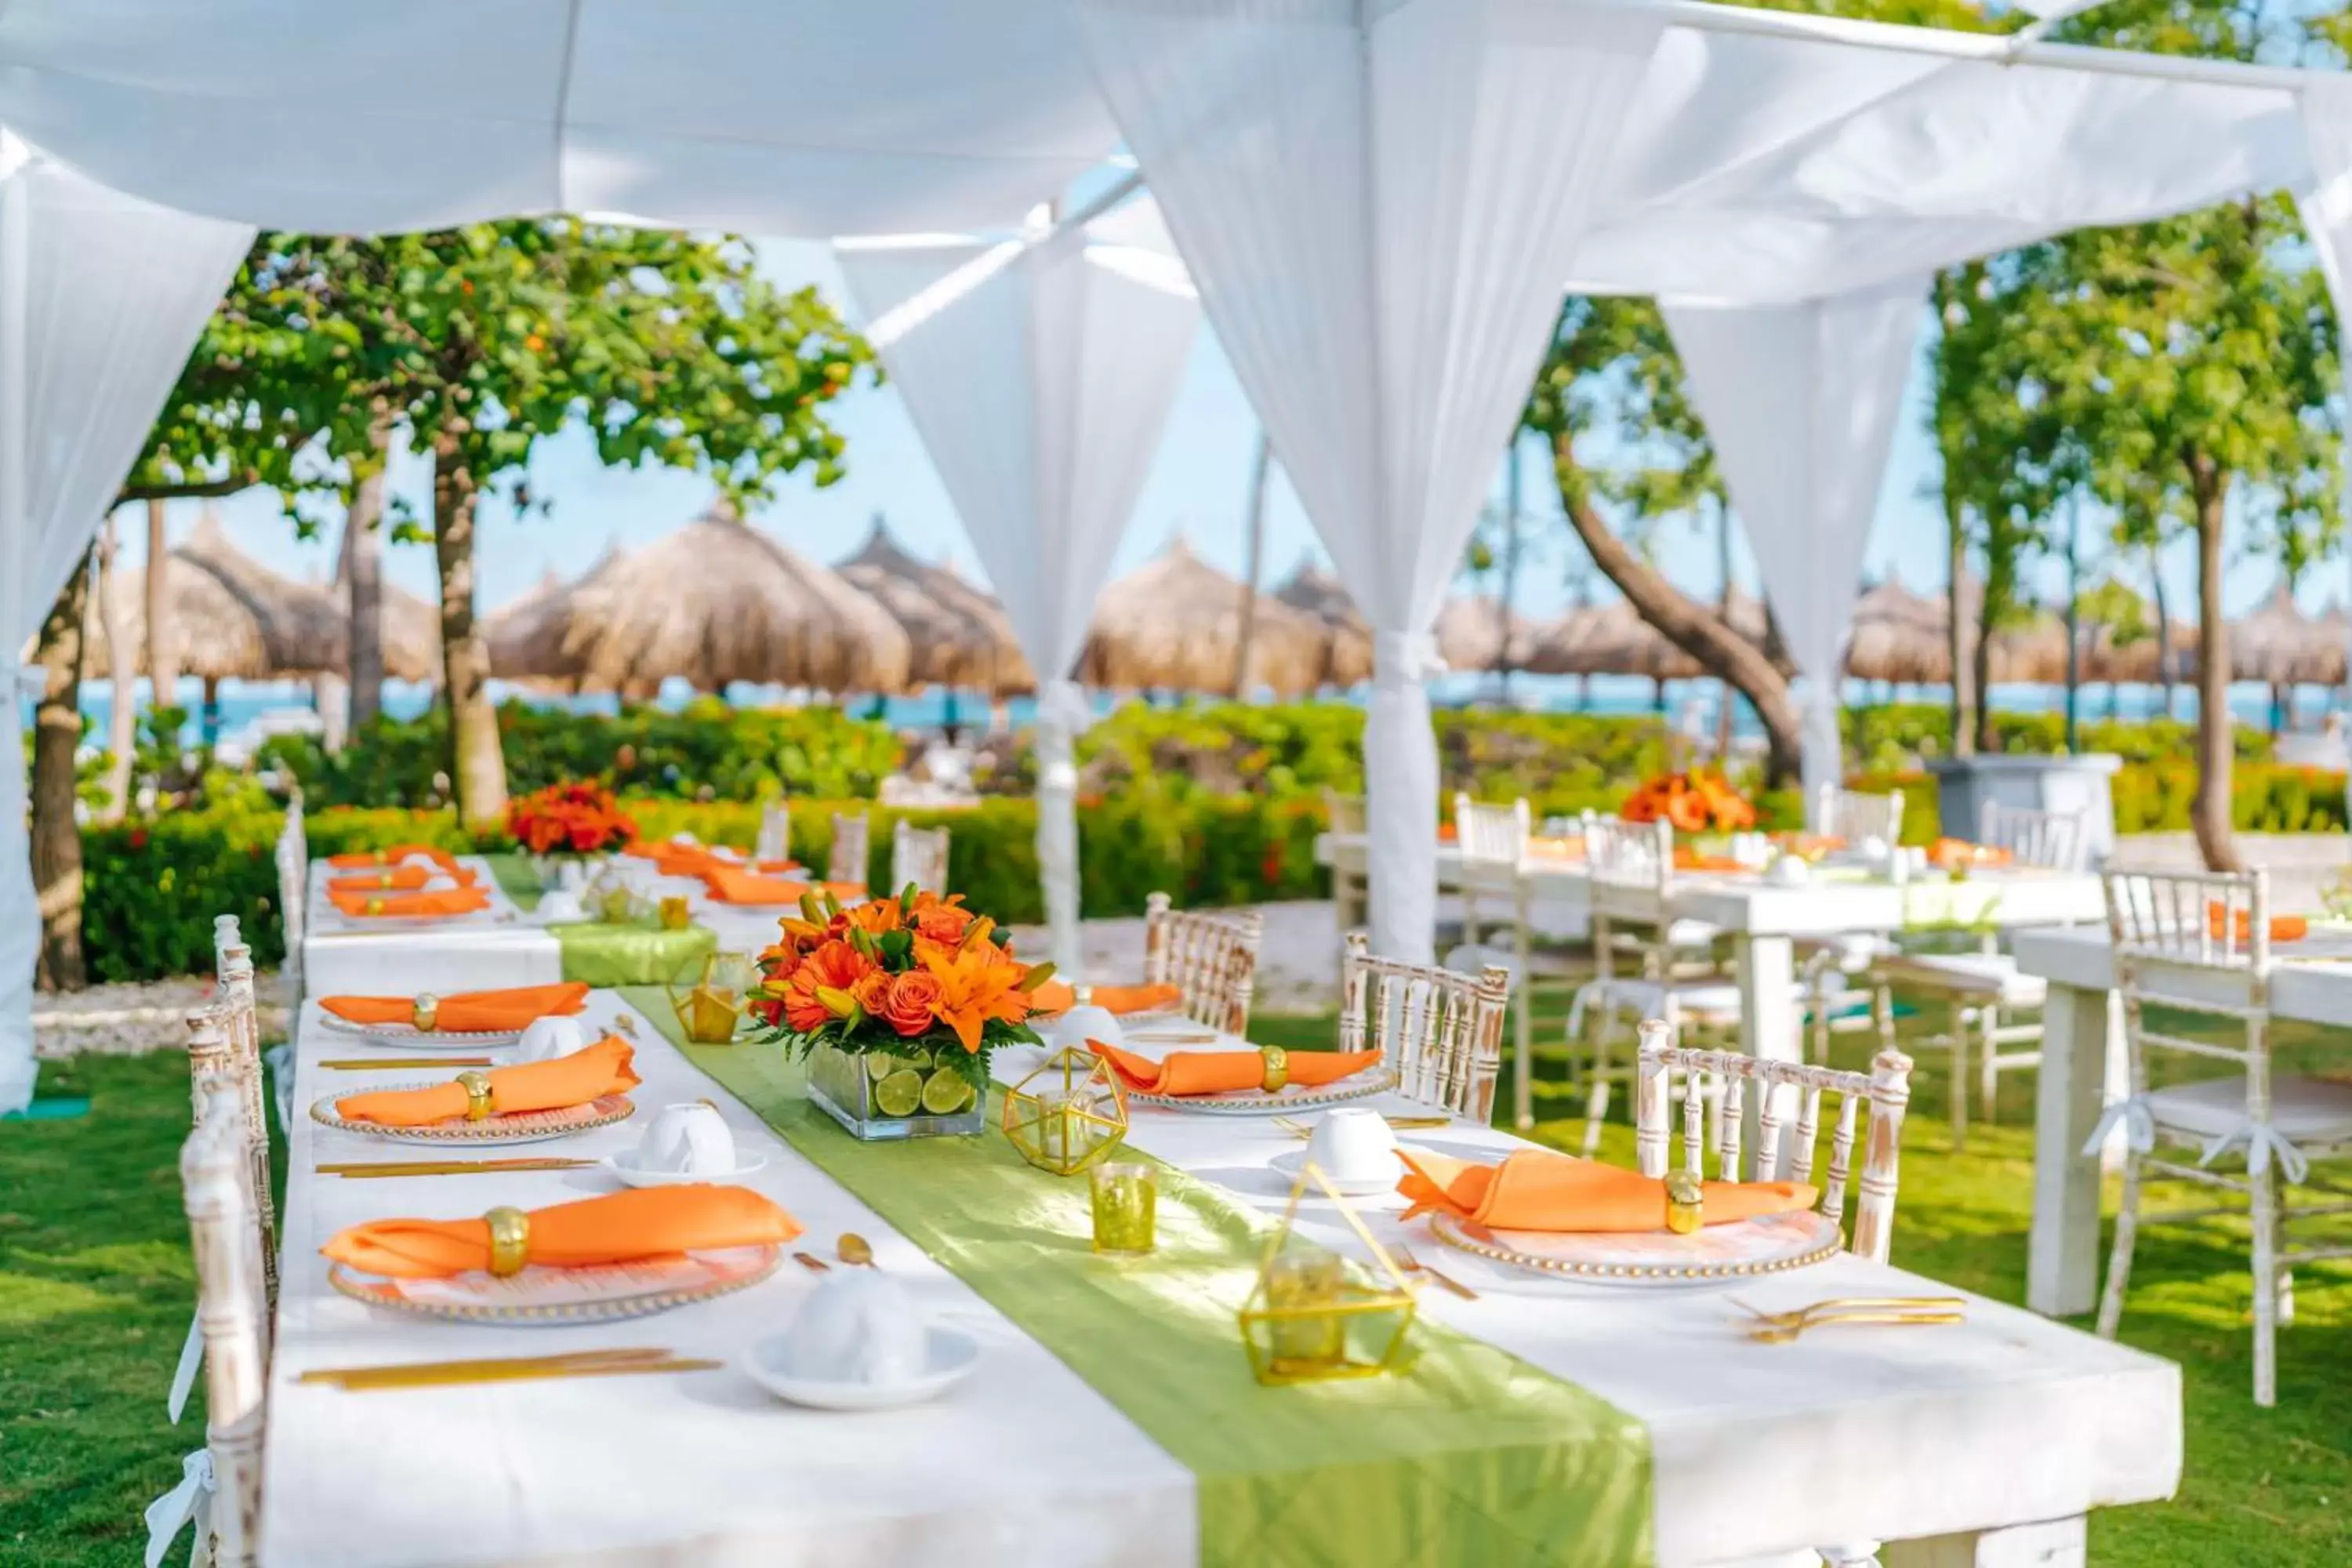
(976, 984)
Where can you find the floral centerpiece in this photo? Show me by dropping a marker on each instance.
(1694, 801)
(570, 819)
(896, 1005)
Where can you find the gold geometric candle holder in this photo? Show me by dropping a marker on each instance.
(1313, 1315)
(711, 1009)
(1068, 1114)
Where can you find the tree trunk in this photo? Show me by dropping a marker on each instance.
(56, 840)
(1506, 648)
(1720, 651)
(2073, 631)
(363, 565)
(1956, 631)
(163, 638)
(477, 768)
(1253, 564)
(2210, 811)
(2163, 628)
(122, 672)
(1995, 592)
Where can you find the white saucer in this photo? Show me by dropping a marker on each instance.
(638, 1176)
(950, 1356)
(1292, 1163)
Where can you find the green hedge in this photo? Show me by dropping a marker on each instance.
(1892, 736)
(2154, 798)
(151, 890)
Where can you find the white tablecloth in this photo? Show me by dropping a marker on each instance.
(2007, 1420)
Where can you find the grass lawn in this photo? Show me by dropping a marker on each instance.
(95, 1288)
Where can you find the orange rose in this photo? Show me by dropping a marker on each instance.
(913, 1002)
(873, 992)
(940, 920)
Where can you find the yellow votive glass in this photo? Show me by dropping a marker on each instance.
(1125, 1208)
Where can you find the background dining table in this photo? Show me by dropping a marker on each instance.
(1899, 1434)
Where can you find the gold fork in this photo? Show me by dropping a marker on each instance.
(1781, 1335)
(1837, 1306)
(1412, 1265)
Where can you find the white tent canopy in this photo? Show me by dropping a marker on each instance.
(1080, 343)
(1381, 199)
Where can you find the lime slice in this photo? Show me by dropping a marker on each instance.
(880, 1064)
(899, 1094)
(945, 1092)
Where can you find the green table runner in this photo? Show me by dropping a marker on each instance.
(1470, 1456)
(610, 955)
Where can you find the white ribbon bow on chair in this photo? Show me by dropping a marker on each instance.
(2264, 1143)
(183, 1377)
(189, 1502)
(2132, 1115)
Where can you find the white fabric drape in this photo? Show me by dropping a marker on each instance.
(2325, 205)
(1799, 401)
(101, 295)
(1379, 210)
(1040, 379)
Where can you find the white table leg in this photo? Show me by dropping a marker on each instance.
(1766, 970)
(2061, 1269)
(2054, 1543)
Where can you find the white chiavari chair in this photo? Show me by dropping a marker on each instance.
(1209, 955)
(220, 1061)
(848, 858)
(1344, 819)
(1440, 1030)
(918, 855)
(1985, 991)
(1722, 1079)
(1855, 816)
(2195, 948)
(774, 841)
(220, 1487)
(1492, 841)
(234, 1001)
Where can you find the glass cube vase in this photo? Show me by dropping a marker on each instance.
(855, 1088)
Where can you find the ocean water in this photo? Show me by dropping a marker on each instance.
(250, 711)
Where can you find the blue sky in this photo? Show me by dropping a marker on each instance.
(1197, 487)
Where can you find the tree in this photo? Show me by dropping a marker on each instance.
(363, 527)
(1612, 371)
(56, 842)
(481, 340)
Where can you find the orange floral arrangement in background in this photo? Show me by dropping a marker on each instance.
(917, 971)
(570, 819)
(1694, 801)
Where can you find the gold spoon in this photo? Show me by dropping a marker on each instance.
(851, 1249)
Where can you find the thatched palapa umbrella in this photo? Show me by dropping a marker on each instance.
(234, 620)
(1475, 633)
(2279, 646)
(719, 601)
(958, 635)
(1348, 638)
(1175, 626)
(1899, 636)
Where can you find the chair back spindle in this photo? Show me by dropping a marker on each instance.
(918, 855)
(1440, 1031)
(849, 857)
(1210, 956)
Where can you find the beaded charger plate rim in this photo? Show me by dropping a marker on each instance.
(509, 1302)
(1259, 1102)
(429, 1039)
(522, 1127)
(1616, 1258)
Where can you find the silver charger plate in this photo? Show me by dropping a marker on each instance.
(1288, 1098)
(557, 1298)
(428, 1039)
(524, 1127)
(1770, 1244)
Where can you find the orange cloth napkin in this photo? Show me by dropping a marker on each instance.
(1947, 853)
(619, 1227)
(732, 885)
(393, 879)
(694, 860)
(467, 1012)
(446, 902)
(606, 1067)
(1692, 860)
(1535, 1189)
(1120, 1001)
(2283, 927)
(1565, 849)
(1217, 1072)
(395, 855)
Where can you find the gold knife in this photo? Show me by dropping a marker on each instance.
(367, 1064)
(488, 1363)
(448, 1167)
(402, 1377)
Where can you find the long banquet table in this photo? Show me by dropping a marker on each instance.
(1846, 1435)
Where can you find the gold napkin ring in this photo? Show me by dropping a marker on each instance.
(385, 879)
(510, 1240)
(427, 1013)
(477, 1085)
(1277, 1067)
(1685, 1206)
(372, 907)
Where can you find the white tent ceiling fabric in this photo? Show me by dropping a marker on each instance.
(1041, 390)
(100, 295)
(1801, 400)
(1379, 203)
